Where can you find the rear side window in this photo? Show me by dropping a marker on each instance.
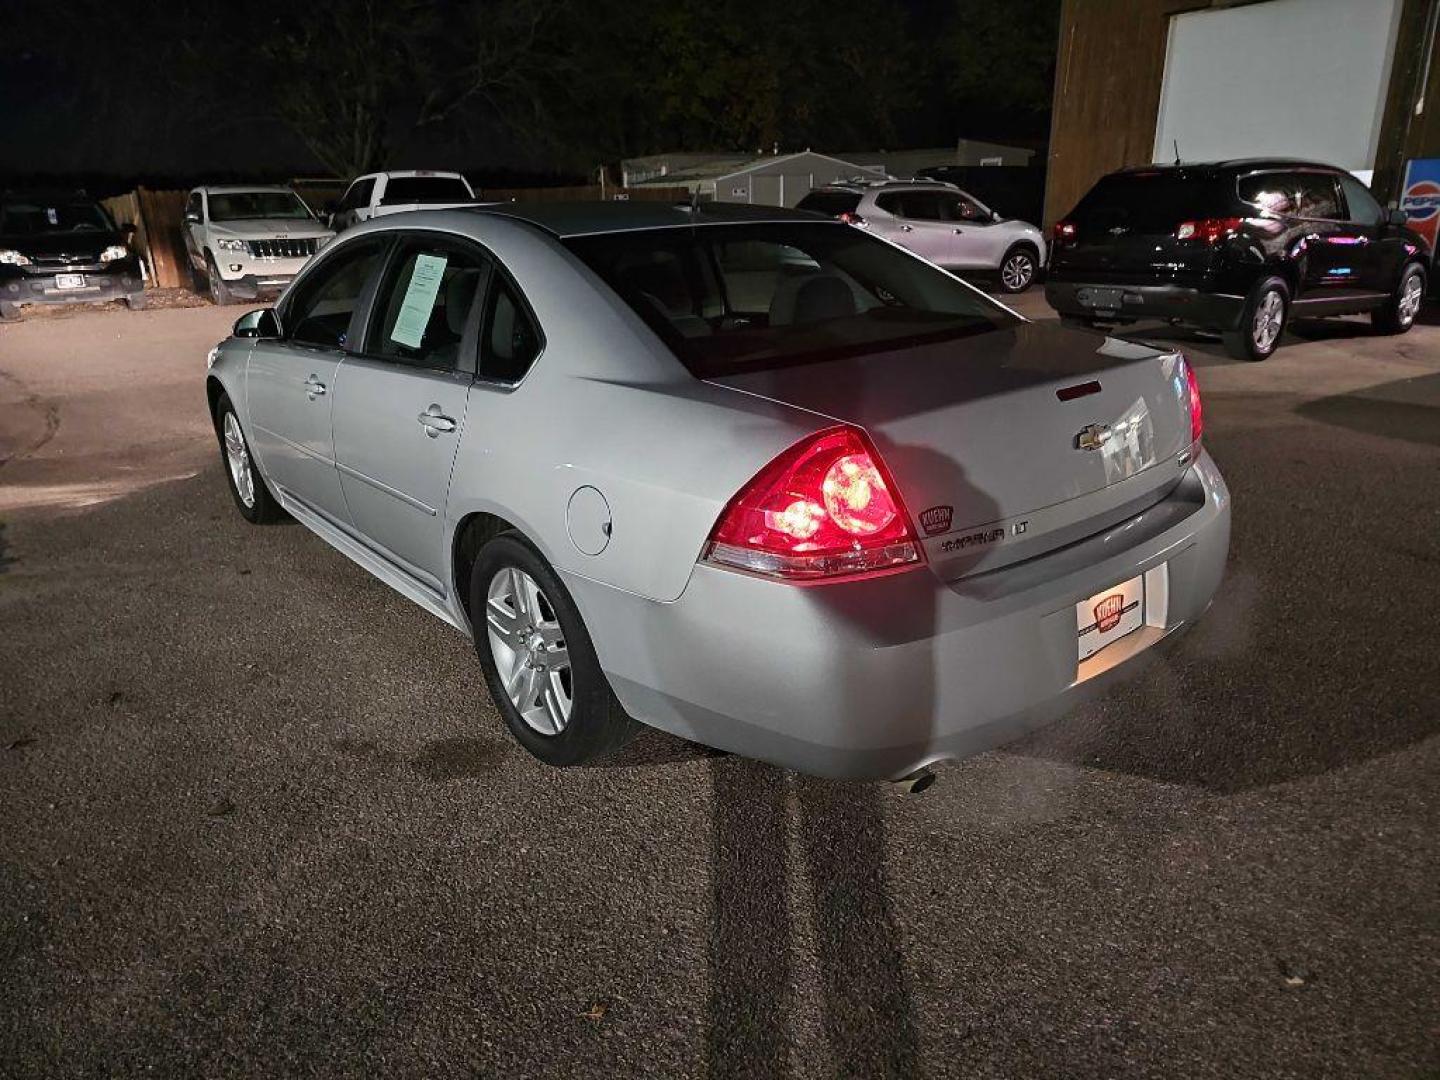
(424, 307)
(512, 341)
(916, 205)
(833, 203)
(730, 298)
(321, 311)
(1291, 194)
(1147, 202)
(425, 189)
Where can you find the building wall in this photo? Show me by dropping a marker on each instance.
(1109, 74)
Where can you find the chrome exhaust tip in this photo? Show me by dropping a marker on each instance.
(916, 782)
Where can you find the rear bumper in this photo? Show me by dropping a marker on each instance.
(1210, 310)
(876, 678)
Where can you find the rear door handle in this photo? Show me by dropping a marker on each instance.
(314, 388)
(434, 422)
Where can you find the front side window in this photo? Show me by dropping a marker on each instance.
(1364, 210)
(730, 298)
(424, 306)
(321, 311)
(254, 205)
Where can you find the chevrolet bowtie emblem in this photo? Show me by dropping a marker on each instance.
(1092, 437)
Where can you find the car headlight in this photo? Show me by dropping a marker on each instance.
(230, 245)
(113, 252)
(14, 258)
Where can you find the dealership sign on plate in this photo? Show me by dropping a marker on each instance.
(1421, 200)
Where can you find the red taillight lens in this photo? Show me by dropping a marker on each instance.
(852, 218)
(1209, 230)
(824, 508)
(1197, 412)
(1063, 232)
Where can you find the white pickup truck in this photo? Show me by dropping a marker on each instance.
(377, 194)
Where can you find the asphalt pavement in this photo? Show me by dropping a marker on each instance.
(258, 816)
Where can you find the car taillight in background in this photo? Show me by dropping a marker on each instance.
(824, 508)
(1209, 230)
(852, 218)
(1197, 412)
(1063, 233)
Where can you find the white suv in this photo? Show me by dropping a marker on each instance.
(244, 241)
(377, 194)
(939, 222)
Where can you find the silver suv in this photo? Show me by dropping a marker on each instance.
(939, 222)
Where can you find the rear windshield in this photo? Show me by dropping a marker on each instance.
(425, 189)
(732, 298)
(833, 203)
(1148, 202)
(28, 217)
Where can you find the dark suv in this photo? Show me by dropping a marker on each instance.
(63, 248)
(1235, 247)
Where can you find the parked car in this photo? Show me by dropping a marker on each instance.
(770, 483)
(64, 248)
(939, 221)
(244, 241)
(377, 194)
(1236, 247)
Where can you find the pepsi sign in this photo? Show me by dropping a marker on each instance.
(1421, 199)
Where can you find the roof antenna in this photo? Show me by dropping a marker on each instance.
(1177, 150)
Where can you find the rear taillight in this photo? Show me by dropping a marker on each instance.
(852, 218)
(1063, 232)
(1209, 230)
(1197, 412)
(824, 508)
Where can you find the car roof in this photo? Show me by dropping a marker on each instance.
(1232, 165)
(237, 189)
(862, 185)
(564, 219)
(392, 173)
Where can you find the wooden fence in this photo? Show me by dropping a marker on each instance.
(159, 216)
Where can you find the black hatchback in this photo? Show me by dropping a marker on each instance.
(1235, 247)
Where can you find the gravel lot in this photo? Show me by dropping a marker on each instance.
(259, 817)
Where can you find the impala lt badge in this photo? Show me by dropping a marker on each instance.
(1092, 437)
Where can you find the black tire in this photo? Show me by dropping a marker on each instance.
(137, 301)
(1248, 342)
(1028, 265)
(597, 724)
(1392, 316)
(220, 293)
(9, 312)
(263, 509)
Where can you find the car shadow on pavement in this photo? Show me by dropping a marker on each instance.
(1389, 410)
(865, 1004)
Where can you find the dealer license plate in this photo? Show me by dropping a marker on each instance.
(1101, 299)
(69, 281)
(1109, 615)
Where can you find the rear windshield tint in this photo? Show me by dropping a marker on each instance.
(732, 298)
(1148, 202)
(833, 203)
(425, 189)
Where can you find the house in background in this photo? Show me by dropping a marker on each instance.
(906, 164)
(772, 179)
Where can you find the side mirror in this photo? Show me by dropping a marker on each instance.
(192, 217)
(1397, 217)
(127, 230)
(261, 323)
(331, 205)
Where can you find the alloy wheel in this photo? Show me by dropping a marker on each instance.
(528, 647)
(1265, 329)
(1017, 272)
(237, 457)
(1410, 298)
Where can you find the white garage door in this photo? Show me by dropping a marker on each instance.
(1295, 78)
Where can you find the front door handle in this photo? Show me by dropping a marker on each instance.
(434, 422)
(959, 232)
(314, 388)
(907, 228)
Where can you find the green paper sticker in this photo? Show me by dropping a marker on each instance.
(419, 300)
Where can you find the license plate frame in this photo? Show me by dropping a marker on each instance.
(1109, 615)
(1099, 298)
(69, 281)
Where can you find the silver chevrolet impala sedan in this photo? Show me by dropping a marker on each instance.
(746, 475)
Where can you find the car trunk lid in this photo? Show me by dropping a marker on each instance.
(1007, 444)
